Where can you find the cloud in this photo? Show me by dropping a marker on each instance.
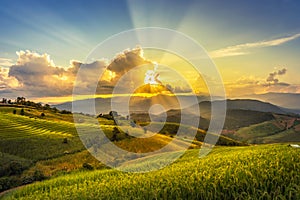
(255, 85)
(241, 49)
(88, 76)
(39, 76)
(271, 79)
(6, 62)
(36, 75)
(282, 71)
(127, 60)
(7, 82)
(179, 89)
(121, 66)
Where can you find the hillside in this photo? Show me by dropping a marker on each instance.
(286, 100)
(137, 103)
(42, 143)
(281, 129)
(36, 147)
(256, 172)
(238, 104)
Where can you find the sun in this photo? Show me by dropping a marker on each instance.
(152, 77)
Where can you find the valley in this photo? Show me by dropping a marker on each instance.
(45, 151)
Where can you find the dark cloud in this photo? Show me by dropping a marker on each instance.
(178, 89)
(121, 66)
(6, 82)
(127, 60)
(282, 72)
(272, 78)
(36, 75)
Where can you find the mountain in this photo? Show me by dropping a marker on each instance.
(137, 104)
(240, 112)
(140, 104)
(286, 100)
(239, 104)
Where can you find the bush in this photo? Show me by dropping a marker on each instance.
(27, 180)
(15, 111)
(22, 112)
(65, 112)
(8, 182)
(43, 115)
(65, 140)
(38, 175)
(15, 168)
(87, 166)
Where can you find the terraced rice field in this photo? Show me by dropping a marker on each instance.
(256, 172)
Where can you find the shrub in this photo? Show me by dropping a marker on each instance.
(65, 112)
(87, 166)
(8, 182)
(15, 168)
(65, 140)
(38, 175)
(22, 112)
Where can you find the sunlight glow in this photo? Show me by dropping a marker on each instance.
(151, 76)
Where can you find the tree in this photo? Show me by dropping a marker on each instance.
(21, 100)
(87, 166)
(22, 112)
(113, 113)
(14, 111)
(47, 106)
(4, 100)
(43, 114)
(133, 123)
(65, 112)
(145, 129)
(54, 109)
(65, 140)
(115, 132)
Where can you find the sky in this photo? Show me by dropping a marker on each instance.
(254, 44)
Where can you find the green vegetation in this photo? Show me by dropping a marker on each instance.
(282, 129)
(170, 129)
(35, 146)
(41, 144)
(258, 131)
(26, 139)
(36, 139)
(255, 172)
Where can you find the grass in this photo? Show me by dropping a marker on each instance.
(33, 144)
(64, 164)
(32, 147)
(258, 130)
(171, 128)
(25, 140)
(268, 132)
(255, 172)
(35, 138)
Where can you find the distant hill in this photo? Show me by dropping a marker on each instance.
(281, 129)
(142, 104)
(240, 113)
(137, 104)
(239, 104)
(286, 100)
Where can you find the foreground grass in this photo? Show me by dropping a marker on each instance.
(255, 172)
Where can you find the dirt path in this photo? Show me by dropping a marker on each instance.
(6, 192)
